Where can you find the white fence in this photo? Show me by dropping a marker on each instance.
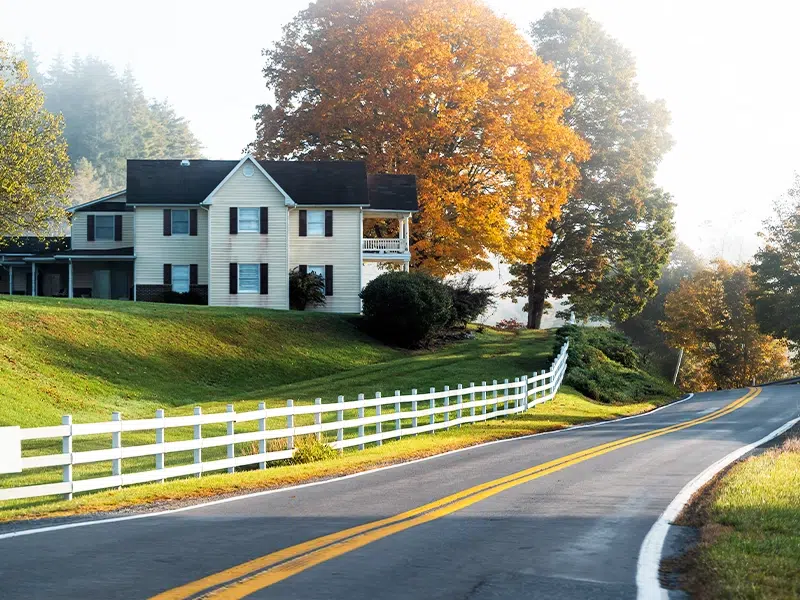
(422, 413)
(385, 245)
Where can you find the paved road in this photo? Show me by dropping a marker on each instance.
(571, 532)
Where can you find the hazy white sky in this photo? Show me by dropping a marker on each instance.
(727, 71)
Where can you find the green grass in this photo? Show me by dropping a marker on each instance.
(754, 552)
(90, 358)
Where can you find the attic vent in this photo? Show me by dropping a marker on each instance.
(185, 163)
(248, 170)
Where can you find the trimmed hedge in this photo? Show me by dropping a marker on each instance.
(604, 365)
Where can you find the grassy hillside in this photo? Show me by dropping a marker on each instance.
(89, 358)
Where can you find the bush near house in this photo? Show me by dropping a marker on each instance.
(604, 366)
(469, 301)
(407, 309)
(305, 289)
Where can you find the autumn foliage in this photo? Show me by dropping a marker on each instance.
(443, 89)
(711, 317)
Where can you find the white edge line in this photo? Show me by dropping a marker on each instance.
(172, 511)
(648, 585)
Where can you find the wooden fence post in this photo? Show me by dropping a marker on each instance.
(198, 435)
(505, 406)
(459, 399)
(318, 416)
(160, 440)
(433, 405)
(494, 394)
(340, 418)
(483, 398)
(231, 450)
(361, 416)
(290, 425)
(447, 404)
(398, 424)
(543, 373)
(472, 398)
(524, 380)
(262, 426)
(66, 448)
(414, 409)
(116, 442)
(378, 428)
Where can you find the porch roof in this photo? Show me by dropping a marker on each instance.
(96, 254)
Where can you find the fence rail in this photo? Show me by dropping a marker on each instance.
(385, 245)
(427, 412)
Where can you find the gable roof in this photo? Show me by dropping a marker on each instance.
(31, 245)
(92, 203)
(392, 192)
(309, 183)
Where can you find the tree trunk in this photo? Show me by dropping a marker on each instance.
(537, 277)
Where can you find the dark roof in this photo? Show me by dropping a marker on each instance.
(167, 182)
(33, 245)
(321, 182)
(392, 192)
(336, 182)
(96, 252)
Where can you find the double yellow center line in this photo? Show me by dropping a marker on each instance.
(245, 579)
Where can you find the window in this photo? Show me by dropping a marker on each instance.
(180, 278)
(318, 269)
(249, 279)
(180, 222)
(104, 227)
(315, 222)
(249, 220)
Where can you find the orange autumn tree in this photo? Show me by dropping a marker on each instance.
(442, 89)
(711, 317)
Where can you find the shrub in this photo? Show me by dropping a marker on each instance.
(308, 449)
(407, 309)
(604, 365)
(508, 325)
(305, 289)
(469, 300)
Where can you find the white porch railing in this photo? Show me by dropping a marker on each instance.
(404, 415)
(385, 245)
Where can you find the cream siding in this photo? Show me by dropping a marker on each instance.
(248, 248)
(154, 249)
(342, 250)
(79, 226)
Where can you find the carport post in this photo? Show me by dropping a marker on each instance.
(33, 279)
(10, 280)
(69, 290)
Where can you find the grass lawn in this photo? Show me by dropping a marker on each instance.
(89, 358)
(751, 531)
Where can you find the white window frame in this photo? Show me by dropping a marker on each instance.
(257, 210)
(97, 219)
(257, 289)
(175, 270)
(318, 269)
(172, 221)
(321, 231)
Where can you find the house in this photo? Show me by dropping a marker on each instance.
(227, 231)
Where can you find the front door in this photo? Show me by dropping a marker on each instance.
(101, 284)
(119, 285)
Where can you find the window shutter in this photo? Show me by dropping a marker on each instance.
(303, 223)
(303, 269)
(193, 221)
(167, 221)
(234, 278)
(89, 228)
(264, 219)
(167, 274)
(329, 280)
(234, 220)
(328, 223)
(117, 228)
(192, 274)
(264, 278)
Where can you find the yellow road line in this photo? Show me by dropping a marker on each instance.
(246, 578)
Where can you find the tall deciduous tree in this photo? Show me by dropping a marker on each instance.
(34, 165)
(615, 232)
(710, 316)
(777, 270)
(443, 89)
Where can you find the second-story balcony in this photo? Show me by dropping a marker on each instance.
(384, 246)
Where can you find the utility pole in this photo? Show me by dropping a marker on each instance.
(677, 367)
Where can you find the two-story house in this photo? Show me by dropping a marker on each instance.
(229, 231)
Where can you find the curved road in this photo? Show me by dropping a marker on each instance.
(558, 515)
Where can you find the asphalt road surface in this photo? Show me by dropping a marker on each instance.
(559, 515)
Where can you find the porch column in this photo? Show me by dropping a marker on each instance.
(134, 279)
(406, 266)
(69, 290)
(34, 291)
(11, 280)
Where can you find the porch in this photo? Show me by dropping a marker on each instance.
(386, 237)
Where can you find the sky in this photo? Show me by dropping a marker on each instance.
(726, 70)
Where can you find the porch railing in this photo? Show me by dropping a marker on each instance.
(384, 245)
